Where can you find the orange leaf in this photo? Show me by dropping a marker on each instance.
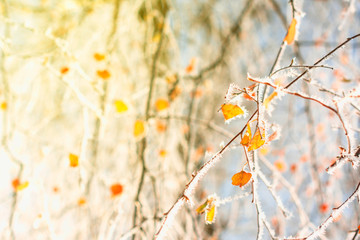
(241, 178)
(18, 186)
(210, 214)
(15, 183)
(120, 106)
(268, 99)
(161, 104)
(73, 160)
(162, 153)
(99, 56)
(160, 126)
(324, 207)
(116, 189)
(64, 70)
(257, 141)
(272, 136)
(139, 128)
(191, 66)
(104, 74)
(245, 141)
(290, 36)
(81, 201)
(229, 111)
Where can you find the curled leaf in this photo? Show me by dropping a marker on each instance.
(230, 111)
(241, 178)
(290, 36)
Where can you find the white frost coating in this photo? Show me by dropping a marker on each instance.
(322, 228)
(200, 174)
(169, 219)
(232, 91)
(230, 199)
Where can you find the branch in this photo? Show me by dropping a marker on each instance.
(335, 213)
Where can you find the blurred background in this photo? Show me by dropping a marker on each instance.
(108, 106)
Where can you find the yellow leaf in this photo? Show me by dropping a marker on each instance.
(268, 99)
(3, 105)
(156, 38)
(139, 129)
(73, 160)
(241, 178)
(162, 153)
(280, 165)
(120, 106)
(229, 111)
(210, 214)
(245, 141)
(257, 141)
(290, 36)
(22, 186)
(161, 104)
(99, 56)
(81, 201)
(104, 74)
(202, 207)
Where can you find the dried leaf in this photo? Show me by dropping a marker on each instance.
(241, 178)
(290, 36)
(116, 189)
(245, 141)
(139, 129)
(230, 111)
(73, 160)
(120, 106)
(99, 56)
(161, 104)
(257, 141)
(104, 74)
